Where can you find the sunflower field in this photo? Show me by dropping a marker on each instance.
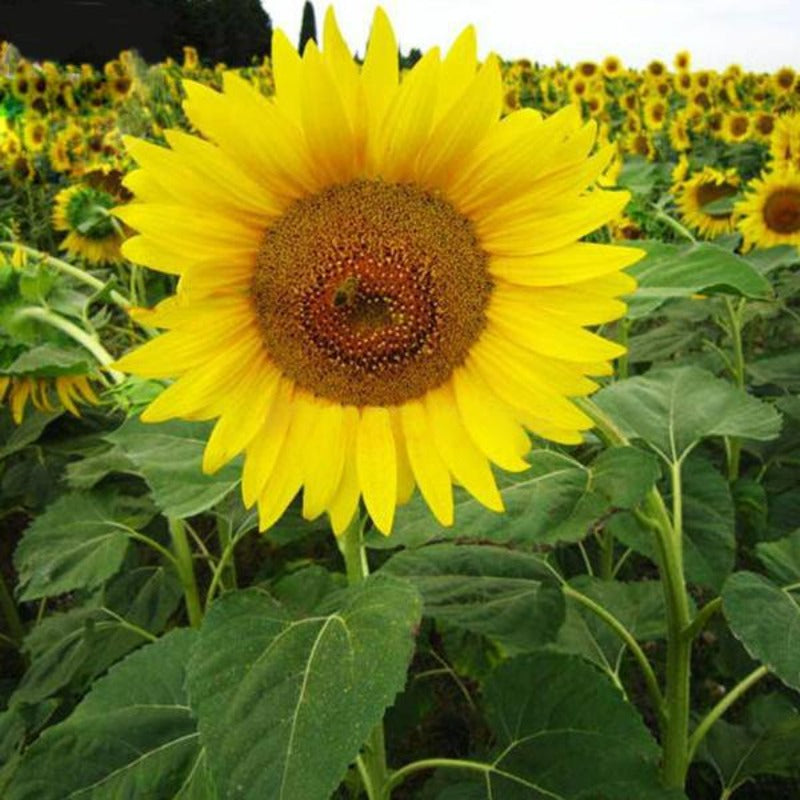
(377, 429)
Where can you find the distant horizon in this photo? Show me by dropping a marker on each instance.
(759, 37)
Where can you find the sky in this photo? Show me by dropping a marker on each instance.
(761, 35)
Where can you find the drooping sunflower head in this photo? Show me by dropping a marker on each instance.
(45, 393)
(83, 211)
(381, 283)
(770, 214)
(705, 201)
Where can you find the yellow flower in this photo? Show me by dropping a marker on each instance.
(736, 127)
(683, 61)
(706, 187)
(783, 80)
(381, 283)
(784, 145)
(612, 66)
(770, 214)
(83, 211)
(69, 390)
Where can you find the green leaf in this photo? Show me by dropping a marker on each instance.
(72, 648)
(557, 500)
(88, 472)
(50, 361)
(564, 731)
(767, 744)
(781, 558)
(722, 205)
(670, 271)
(506, 595)
(765, 260)
(77, 543)
(132, 736)
(673, 409)
(782, 370)
(169, 456)
(18, 437)
(766, 620)
(284, 703)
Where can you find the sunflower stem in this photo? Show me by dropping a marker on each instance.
(68, 269)
(669, 541)
(185, 568)
(734, 443)
(75, 333)
(373, 757)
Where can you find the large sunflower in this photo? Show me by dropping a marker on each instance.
(381, 284)
(770, 214)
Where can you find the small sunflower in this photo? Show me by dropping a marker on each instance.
(736, 127)
(770, 214)
(612, 66)
(783, 80)
(83, 210)
(699, 191)
(784, 145)
(683, 61)
(381, 280)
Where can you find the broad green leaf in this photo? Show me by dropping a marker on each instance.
(768, 743)
(88, 472)
(17, 437)
(77, 543)
(781, 558)
(782, 370)
(506, 595)
(564, 731)
(640, 176)
(557, 500)
(72, 648)
(169, 455)
(50, 361)
(284, 703)
(669, 271)
(766, 620)
(132, 736)
(673, 409)
(765, 260)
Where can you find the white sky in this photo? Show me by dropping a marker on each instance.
(758, 34)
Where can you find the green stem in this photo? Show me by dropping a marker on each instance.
(622, 361)
(185, 570)
(722, 706)
(734, 443)
(627, 637)
(76, 333)
(399, 775)
(68, 269)
(373, 757)
(668, 534)
(225, 536)
(674, 224)
(11, 614)
(702, 618)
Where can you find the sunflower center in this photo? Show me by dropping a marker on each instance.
(782, 211)
(370, 293)
(708, 193)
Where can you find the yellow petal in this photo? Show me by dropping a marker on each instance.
(344, 504)
(489, 423)
(287, 70)
(458, 69)
(324, 461)
(462, 457)
(430, 471)
(380, 73)
(376, 461)
(405, 475)
(265, 446)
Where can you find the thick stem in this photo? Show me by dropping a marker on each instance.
(68, 269)
(185, 569)
(10, 613)
(398, 776)
(734, 443)
(373, 758)
(77, 334)
(723, 705)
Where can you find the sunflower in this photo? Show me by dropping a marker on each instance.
(83, 210)
(682, 61)
(706, 187)
(69, 390)
(784, 145)
(655, 114)
(770, 214)
(381, 284)
(736, 127)
(783, 80)
(35, 134)
(612, 66)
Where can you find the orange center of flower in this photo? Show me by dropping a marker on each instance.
(782, 211)
(370, 293)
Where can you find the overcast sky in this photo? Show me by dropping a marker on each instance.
(758, 34)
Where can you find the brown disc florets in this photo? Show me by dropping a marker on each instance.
(370, 293)
(782, 211)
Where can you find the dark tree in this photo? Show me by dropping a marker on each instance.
(308, 27)
(233, 31)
